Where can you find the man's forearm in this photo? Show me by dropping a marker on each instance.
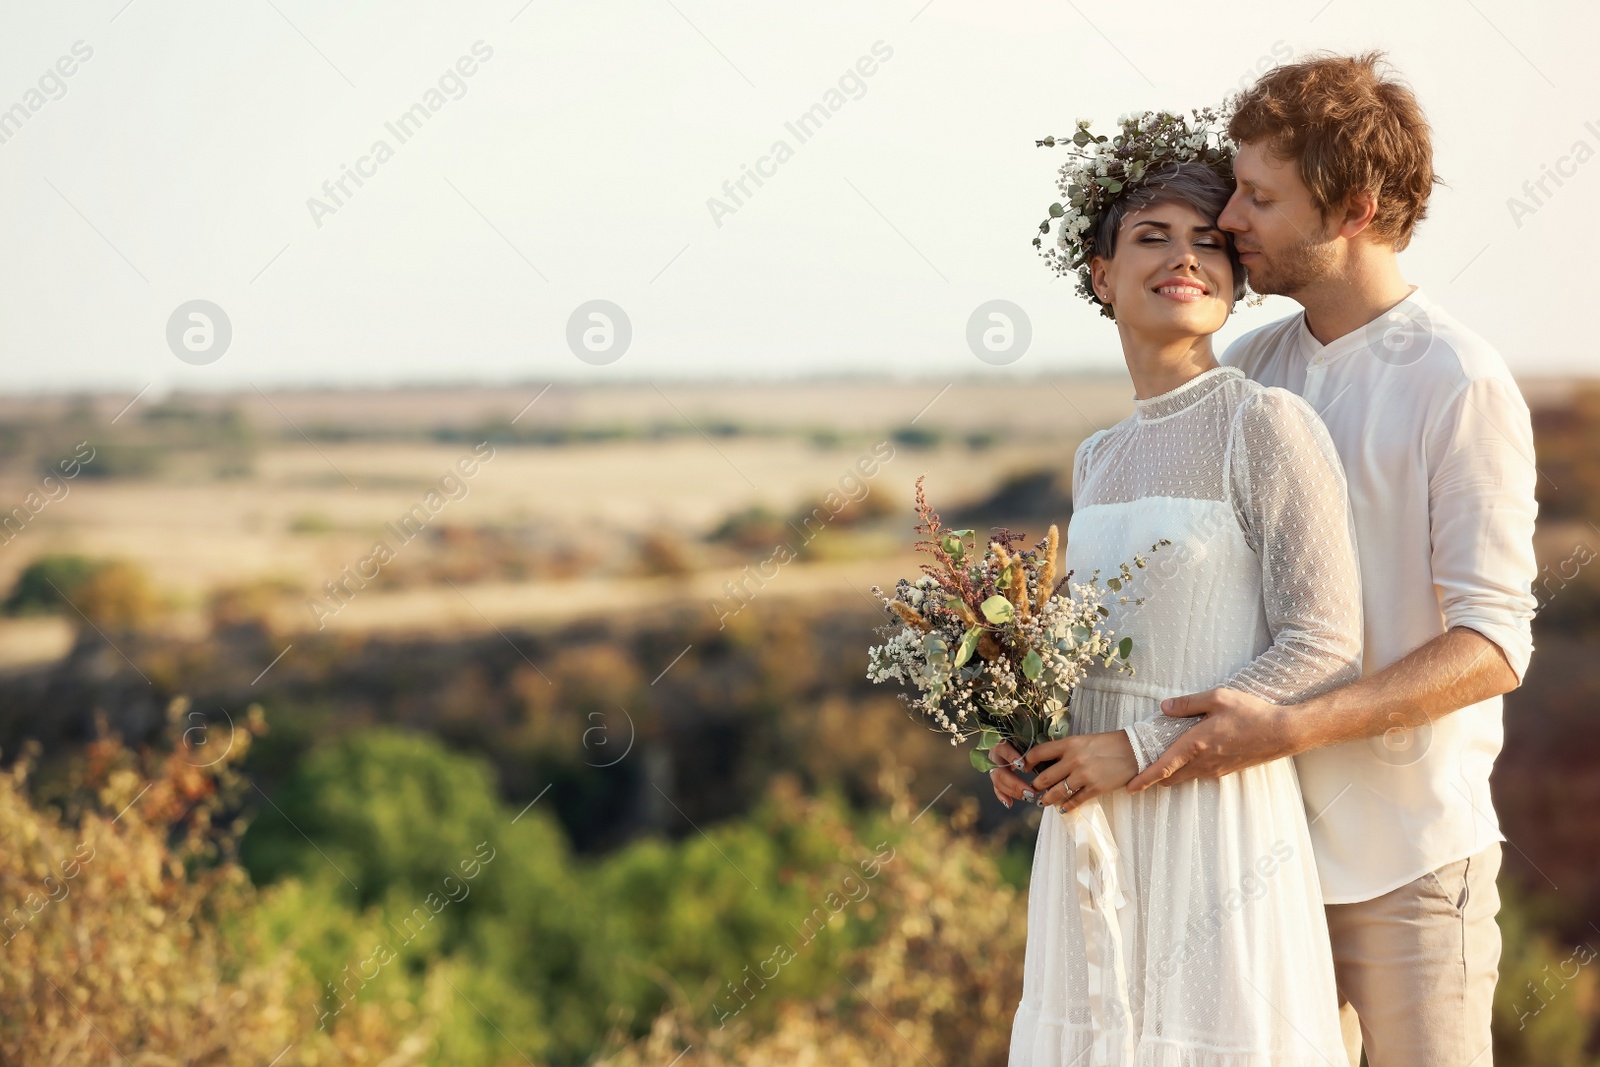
(1456, 669)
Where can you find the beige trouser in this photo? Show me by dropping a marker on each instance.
(1416, 968)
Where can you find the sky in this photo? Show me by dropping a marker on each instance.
(562, 153)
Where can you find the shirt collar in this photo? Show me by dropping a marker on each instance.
(1414, 313)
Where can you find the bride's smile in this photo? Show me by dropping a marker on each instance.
(1170, 274)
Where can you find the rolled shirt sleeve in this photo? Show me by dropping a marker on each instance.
(1482, 510)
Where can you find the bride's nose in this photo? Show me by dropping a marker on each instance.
(1186, 259)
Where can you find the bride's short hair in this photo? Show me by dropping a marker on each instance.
(1195, 184)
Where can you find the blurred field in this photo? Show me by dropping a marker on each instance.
(587, 661)
(301, 509)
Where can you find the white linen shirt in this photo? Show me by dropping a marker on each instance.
(1437, 446)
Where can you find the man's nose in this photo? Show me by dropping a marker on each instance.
(1230, 219)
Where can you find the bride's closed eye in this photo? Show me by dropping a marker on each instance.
(1155, 236)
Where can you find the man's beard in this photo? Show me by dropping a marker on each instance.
(1293, 270)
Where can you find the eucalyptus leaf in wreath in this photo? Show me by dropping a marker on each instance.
(1101, 169)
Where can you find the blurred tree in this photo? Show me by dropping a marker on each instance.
(117, 595)
(112, 594)
(39, 588)
(384, 808)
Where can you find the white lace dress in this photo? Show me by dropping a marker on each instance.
(1218, 954)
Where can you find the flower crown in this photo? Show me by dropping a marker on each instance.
(1103, 169)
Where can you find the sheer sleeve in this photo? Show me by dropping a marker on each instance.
(1080, 465)
(1288, 492)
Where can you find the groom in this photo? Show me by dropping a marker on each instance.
(1334, 171)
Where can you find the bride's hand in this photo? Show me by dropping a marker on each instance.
(1087, 766)
(1008, 785)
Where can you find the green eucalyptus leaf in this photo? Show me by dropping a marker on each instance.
(1027, 733)
(969, 644)
(1081, 138)
(1124, 647)
(1056, 211)
(998, 610)
(1032, 665)
(980, 760)
(1114, 584)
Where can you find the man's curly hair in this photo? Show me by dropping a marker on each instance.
(1352, 128)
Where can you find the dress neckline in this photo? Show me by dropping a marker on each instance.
(1165, 405)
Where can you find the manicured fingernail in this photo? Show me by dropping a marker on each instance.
(1017, 764)
(1166, 705)
(1029, 795)
(1008, 805)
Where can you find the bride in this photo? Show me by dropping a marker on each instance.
(1184, 926)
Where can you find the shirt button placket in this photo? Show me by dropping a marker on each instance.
(1316, 374)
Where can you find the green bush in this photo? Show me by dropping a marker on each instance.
(40, 586)
(1547, 1002)
(566, 950)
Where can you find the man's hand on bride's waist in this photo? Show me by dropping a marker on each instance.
(1238, 731)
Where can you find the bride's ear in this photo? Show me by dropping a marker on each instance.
(1098, 269)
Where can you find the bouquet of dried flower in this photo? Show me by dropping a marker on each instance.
(990, 643)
